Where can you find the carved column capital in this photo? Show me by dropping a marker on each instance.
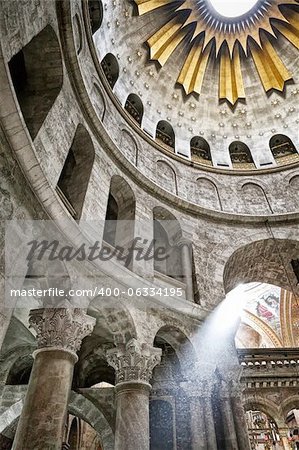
(60, 328)
(134, 361)
(184, 242)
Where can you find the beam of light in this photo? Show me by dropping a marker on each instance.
(232, 8)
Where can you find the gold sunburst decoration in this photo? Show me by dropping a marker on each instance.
(229, 39)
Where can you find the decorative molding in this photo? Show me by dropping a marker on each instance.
(134, 361)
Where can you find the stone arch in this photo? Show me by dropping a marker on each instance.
(282, 148)
(264, 405)
(200, 150)
(261, 261)
(134, 106)
(20, 370)
(207, 193)
(166, 177)
(288, 404)
(178, 340)
(95, 8)
(37, 75)
(79, 406)
(99, 101)
(255, 199)
(294, 183)
(75, 174)
(165, 134)
(110, 68)
(78, 34)
(120, 213)
(114, 320)
(129, 146)
(83, 408)
(240, 156)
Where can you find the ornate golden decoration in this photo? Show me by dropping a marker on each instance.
(227, 39)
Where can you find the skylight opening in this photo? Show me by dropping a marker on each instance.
(232, 8)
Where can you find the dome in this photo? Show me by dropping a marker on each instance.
(223, 71)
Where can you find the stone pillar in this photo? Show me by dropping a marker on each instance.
(186, 250)
(197, 419)
(210, 423)
(230, 436)
(133, 363)
(203, 434)
(283, 433)
(239, 417)
(59, 335)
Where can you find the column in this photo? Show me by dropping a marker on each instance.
(59, 335)
(186, 249)
(203, 434)
(284, 433)
(197, 418)
(239, 417)
(230, 436)
(210, 423)
(133, 363)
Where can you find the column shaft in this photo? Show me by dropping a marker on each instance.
(42, 421)
(240, 423)
(198, 432)
(132, 416)
(230, 436)
(59, 335)
(210, 425)
(187, 268)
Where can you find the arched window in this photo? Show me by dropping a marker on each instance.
(241, 156)
(73, 181)
(111, 69)
(120, 213)
(283, 149)
(95, 8)
(167, 232)
(165, 134)
(200, 151)
(37, 75)
(134, 107)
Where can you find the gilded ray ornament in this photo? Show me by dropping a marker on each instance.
(229, 39)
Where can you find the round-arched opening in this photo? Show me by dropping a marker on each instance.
(262, 429)
(283, 149)
(95, 8)
(232, 8)
(110, 68)
(134, 106)
(165, 134)
(240, 155)
(200, 150)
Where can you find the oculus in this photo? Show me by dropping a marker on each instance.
(213, 31)
(232, 8)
